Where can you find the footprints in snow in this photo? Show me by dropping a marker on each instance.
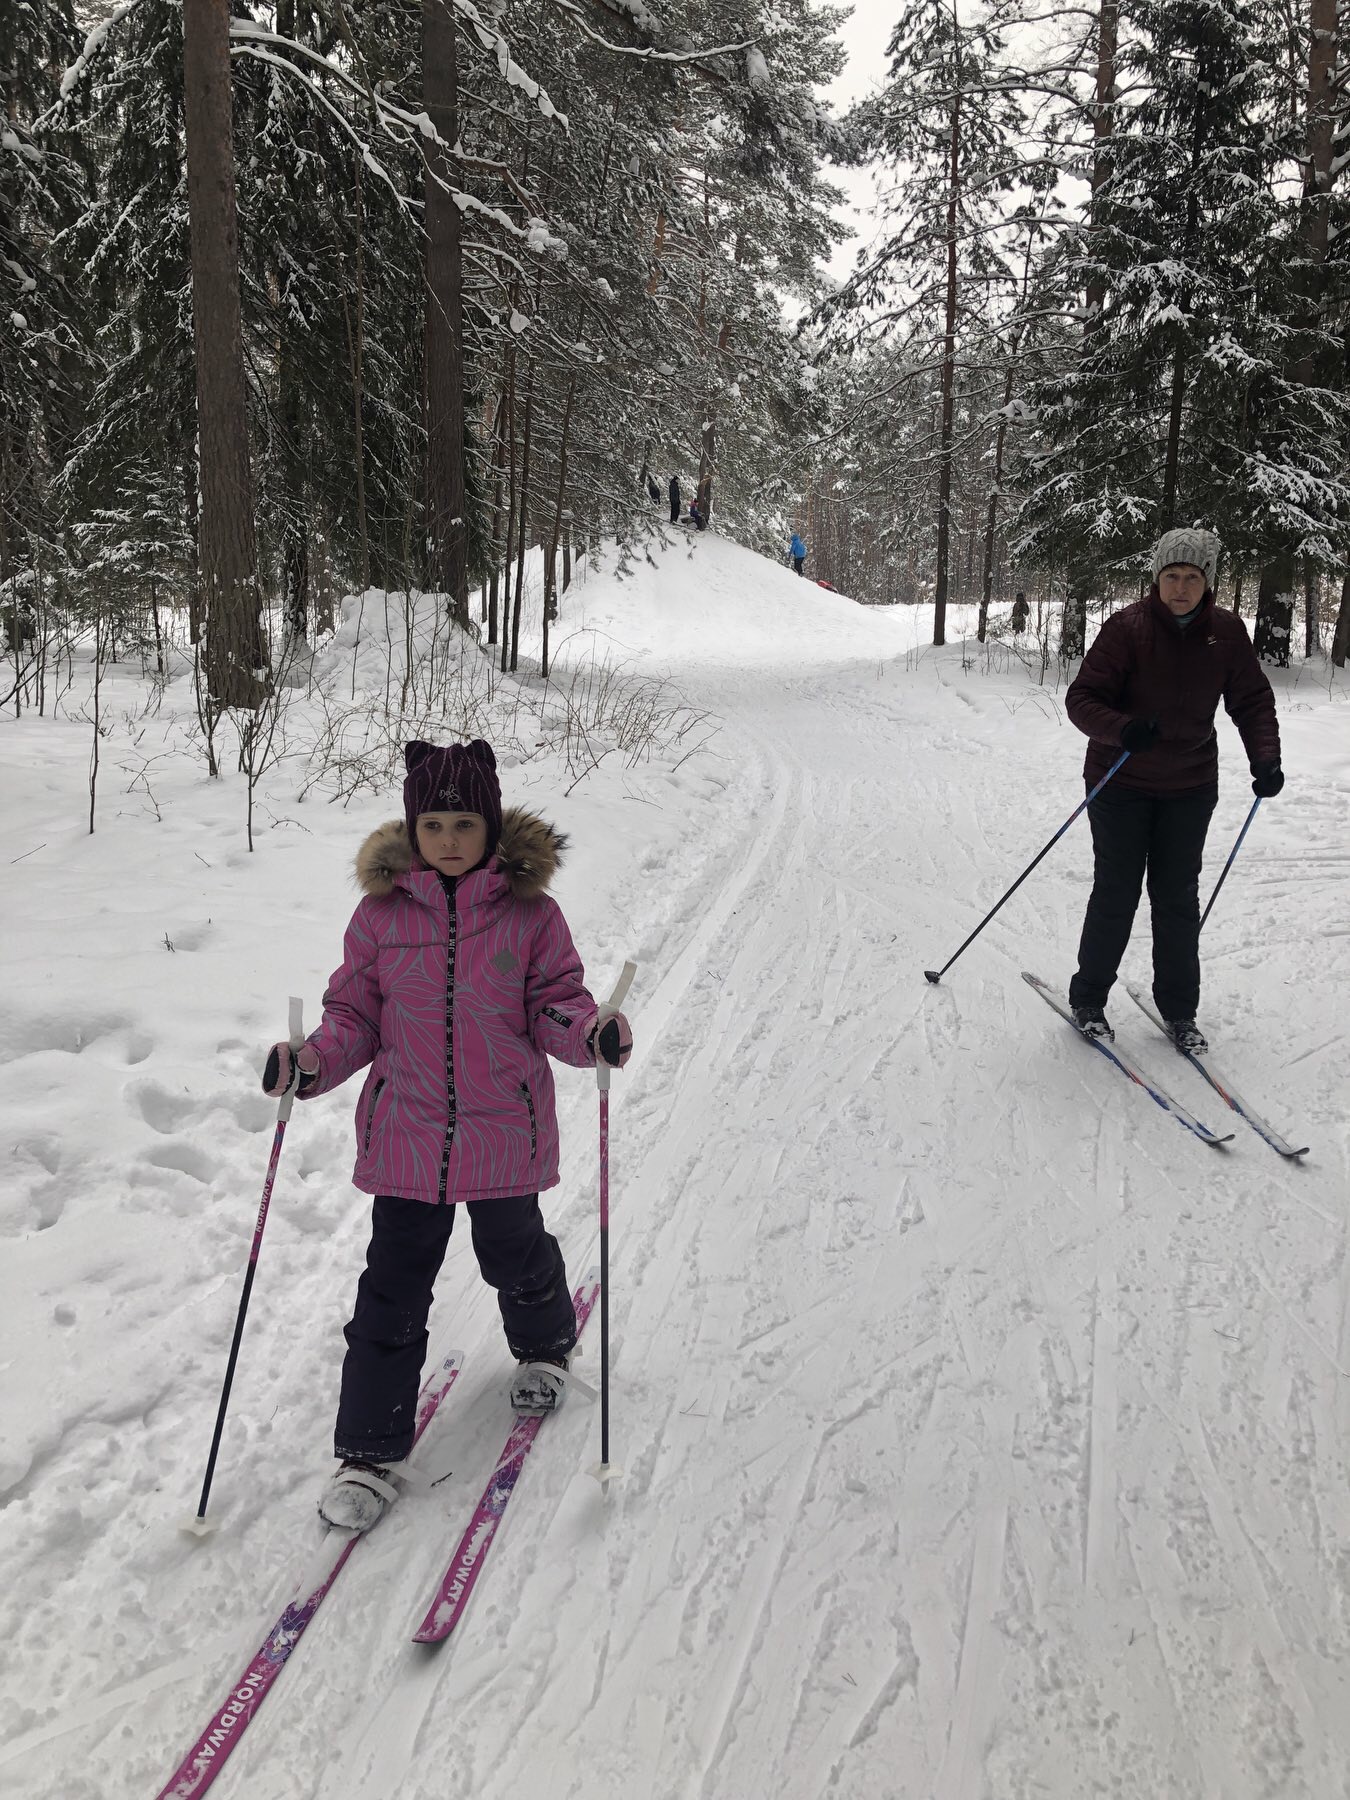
(24, 1036)
(53, 1162)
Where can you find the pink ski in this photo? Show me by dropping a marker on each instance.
(447, 1609)
(208, 1755)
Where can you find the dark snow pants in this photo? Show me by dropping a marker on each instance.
(799, 564)
(387, 1336)
(1162, 836)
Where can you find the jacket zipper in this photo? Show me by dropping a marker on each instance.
(448, 883)
(529, 1101)
(376, 1091)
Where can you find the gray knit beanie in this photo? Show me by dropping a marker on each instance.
(1188, 544)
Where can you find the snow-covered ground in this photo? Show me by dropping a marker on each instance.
(984, 1433)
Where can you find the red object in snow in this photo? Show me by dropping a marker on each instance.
(829, 586)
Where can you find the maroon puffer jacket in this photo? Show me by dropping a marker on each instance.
(1143, 664)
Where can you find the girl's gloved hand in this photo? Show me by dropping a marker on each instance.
(612, 1042)
(287, 1068)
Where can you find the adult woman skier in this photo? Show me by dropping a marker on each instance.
(1151, 684)
(458, 981)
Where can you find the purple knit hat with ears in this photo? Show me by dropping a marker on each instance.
(453, 778)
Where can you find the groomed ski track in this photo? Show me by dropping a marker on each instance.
(984, 1435)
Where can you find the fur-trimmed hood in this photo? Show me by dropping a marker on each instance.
(528, 854)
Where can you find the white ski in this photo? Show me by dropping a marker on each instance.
(1224, 1089)
(1153, 1088)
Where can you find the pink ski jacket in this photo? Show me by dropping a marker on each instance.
(456, 1006)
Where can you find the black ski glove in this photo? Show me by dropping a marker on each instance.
(1267, 780)
(1139, 734)
(612, 1042)
(283, 1072)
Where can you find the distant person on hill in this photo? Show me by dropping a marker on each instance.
(653, 491)
(1019, 612)
(459, 981)
(1151, 684)
(695, 516)
(797, 552)
(674, 499)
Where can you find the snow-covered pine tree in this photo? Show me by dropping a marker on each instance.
(131, 242)
(320, 240)
(1176, 408)
(1303, 396)
(42, 353)
(948, 126)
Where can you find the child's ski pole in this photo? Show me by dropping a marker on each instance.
(199, 1525)
(605, 1470)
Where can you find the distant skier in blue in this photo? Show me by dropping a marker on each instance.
(797, 552)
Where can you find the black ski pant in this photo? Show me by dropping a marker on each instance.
(1134, 835)
(799, 564)
(674, 512)
(387, 1336)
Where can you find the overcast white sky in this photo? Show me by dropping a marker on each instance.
(864, 36)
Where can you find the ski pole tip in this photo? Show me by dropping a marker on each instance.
(932, 975)
(197, 1526)
(605, 1472)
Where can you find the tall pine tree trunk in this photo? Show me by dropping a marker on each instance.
(295, 502)
(944, 501)
(1311, 619)
(227, 547)
(1073, 627)
(295, 534)
(1103, 125)
(447, 536)
(1340, 643)
(512, 497)
(1000, 441)
(1275, 596)
(356, 351)
(1176, 405)
(1321, 125)
(1275, 611)
(707, 463)
(551, 563)
(1172, 454)
(991, 516)
(522, 535)
(498, 518)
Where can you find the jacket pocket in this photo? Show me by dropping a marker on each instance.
(529, 1105)
(375, 1093)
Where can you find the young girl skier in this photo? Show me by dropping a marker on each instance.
(459, 980)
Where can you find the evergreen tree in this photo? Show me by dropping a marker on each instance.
(1179, 407)
(42, 171)
(949, 128)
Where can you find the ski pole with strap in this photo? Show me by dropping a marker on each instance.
(1228, 865)
(199, 1525)
(935, 975)
(606, 1471)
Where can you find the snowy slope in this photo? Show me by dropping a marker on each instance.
(984, 1432)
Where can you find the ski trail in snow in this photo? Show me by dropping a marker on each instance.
(749, 1607)
(981, 1439)
(373, 1759)
(223, 1647)
(1099, 1534)
(961, 1775)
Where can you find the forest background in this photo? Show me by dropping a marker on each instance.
(308, 300)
